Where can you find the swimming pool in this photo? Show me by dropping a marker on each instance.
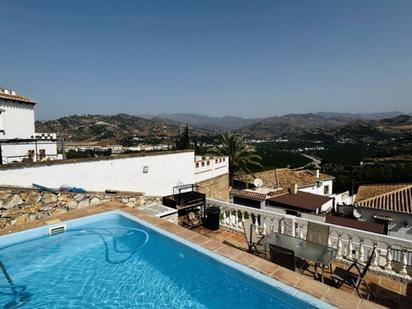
(114, 260)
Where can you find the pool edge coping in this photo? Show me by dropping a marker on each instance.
(336, 298)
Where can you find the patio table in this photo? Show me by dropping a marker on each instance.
(308, 250)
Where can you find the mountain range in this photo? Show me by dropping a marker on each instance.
(202, 122)
(103, 127)
(117, 127)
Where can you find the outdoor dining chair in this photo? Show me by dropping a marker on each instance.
(286, 258)
(252, 239)
(345, 276)
(318, 233)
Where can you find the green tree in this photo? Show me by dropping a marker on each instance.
(241, 156)
(183, 139)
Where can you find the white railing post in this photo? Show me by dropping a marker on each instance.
(264, 225)
(361, 251)
(339, 247)
(256, 224)
(349, 248)
(404, 262)
(388, 265)
(375, 259)
(233, 218)
(242, 220)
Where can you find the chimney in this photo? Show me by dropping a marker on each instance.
(317, 173)
(294, 188)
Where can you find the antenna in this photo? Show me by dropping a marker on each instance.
(258, 182)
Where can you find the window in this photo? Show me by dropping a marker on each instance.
(203, 163)
(145, 169)
(326, 190)
(208, 163)
(30, 154)
(197, 164)
(42, 154)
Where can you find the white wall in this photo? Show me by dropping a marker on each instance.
(17, 152)
(17, 120)
(209, 168)
(125, 174)
(319, 189)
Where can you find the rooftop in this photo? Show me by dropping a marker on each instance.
(387, 197)
(91, 159)
(356, 224)
(300, 200)
(285, 178)
(11, 95)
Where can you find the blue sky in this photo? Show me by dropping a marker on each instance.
(245, 58)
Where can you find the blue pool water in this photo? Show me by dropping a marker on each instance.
(112, 261)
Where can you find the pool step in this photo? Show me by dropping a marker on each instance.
(57, 229)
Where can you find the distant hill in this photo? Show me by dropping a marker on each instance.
(363, 116)
(310, 125)
(204, 123)
(331, 124)
(292, 125)
(402, 122)
(102, 127)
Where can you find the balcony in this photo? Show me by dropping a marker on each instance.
(391, 264)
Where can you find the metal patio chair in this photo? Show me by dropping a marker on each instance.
(252, 239)
(345, 276)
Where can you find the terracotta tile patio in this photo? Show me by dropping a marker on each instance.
(388, 292)
(233, 246)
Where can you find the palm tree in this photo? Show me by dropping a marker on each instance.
(241, 157)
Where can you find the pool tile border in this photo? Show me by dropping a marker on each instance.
(328, 294)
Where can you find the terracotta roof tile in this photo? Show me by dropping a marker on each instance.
(248, 194)
(16, 97)
(285, 178)
(396, 198)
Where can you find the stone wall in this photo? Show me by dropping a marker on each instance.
(215, 188)
(21, 205)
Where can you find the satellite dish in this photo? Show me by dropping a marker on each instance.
(357, 214)
(258, 182)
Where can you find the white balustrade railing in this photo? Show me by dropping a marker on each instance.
(349, 243)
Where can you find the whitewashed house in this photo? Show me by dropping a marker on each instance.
(387, 204)
(284, 178)
(18, 139)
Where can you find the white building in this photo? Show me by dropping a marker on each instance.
(387, 204)
(284, 178)
(284, 190)
(208, 167)
(18, 139)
